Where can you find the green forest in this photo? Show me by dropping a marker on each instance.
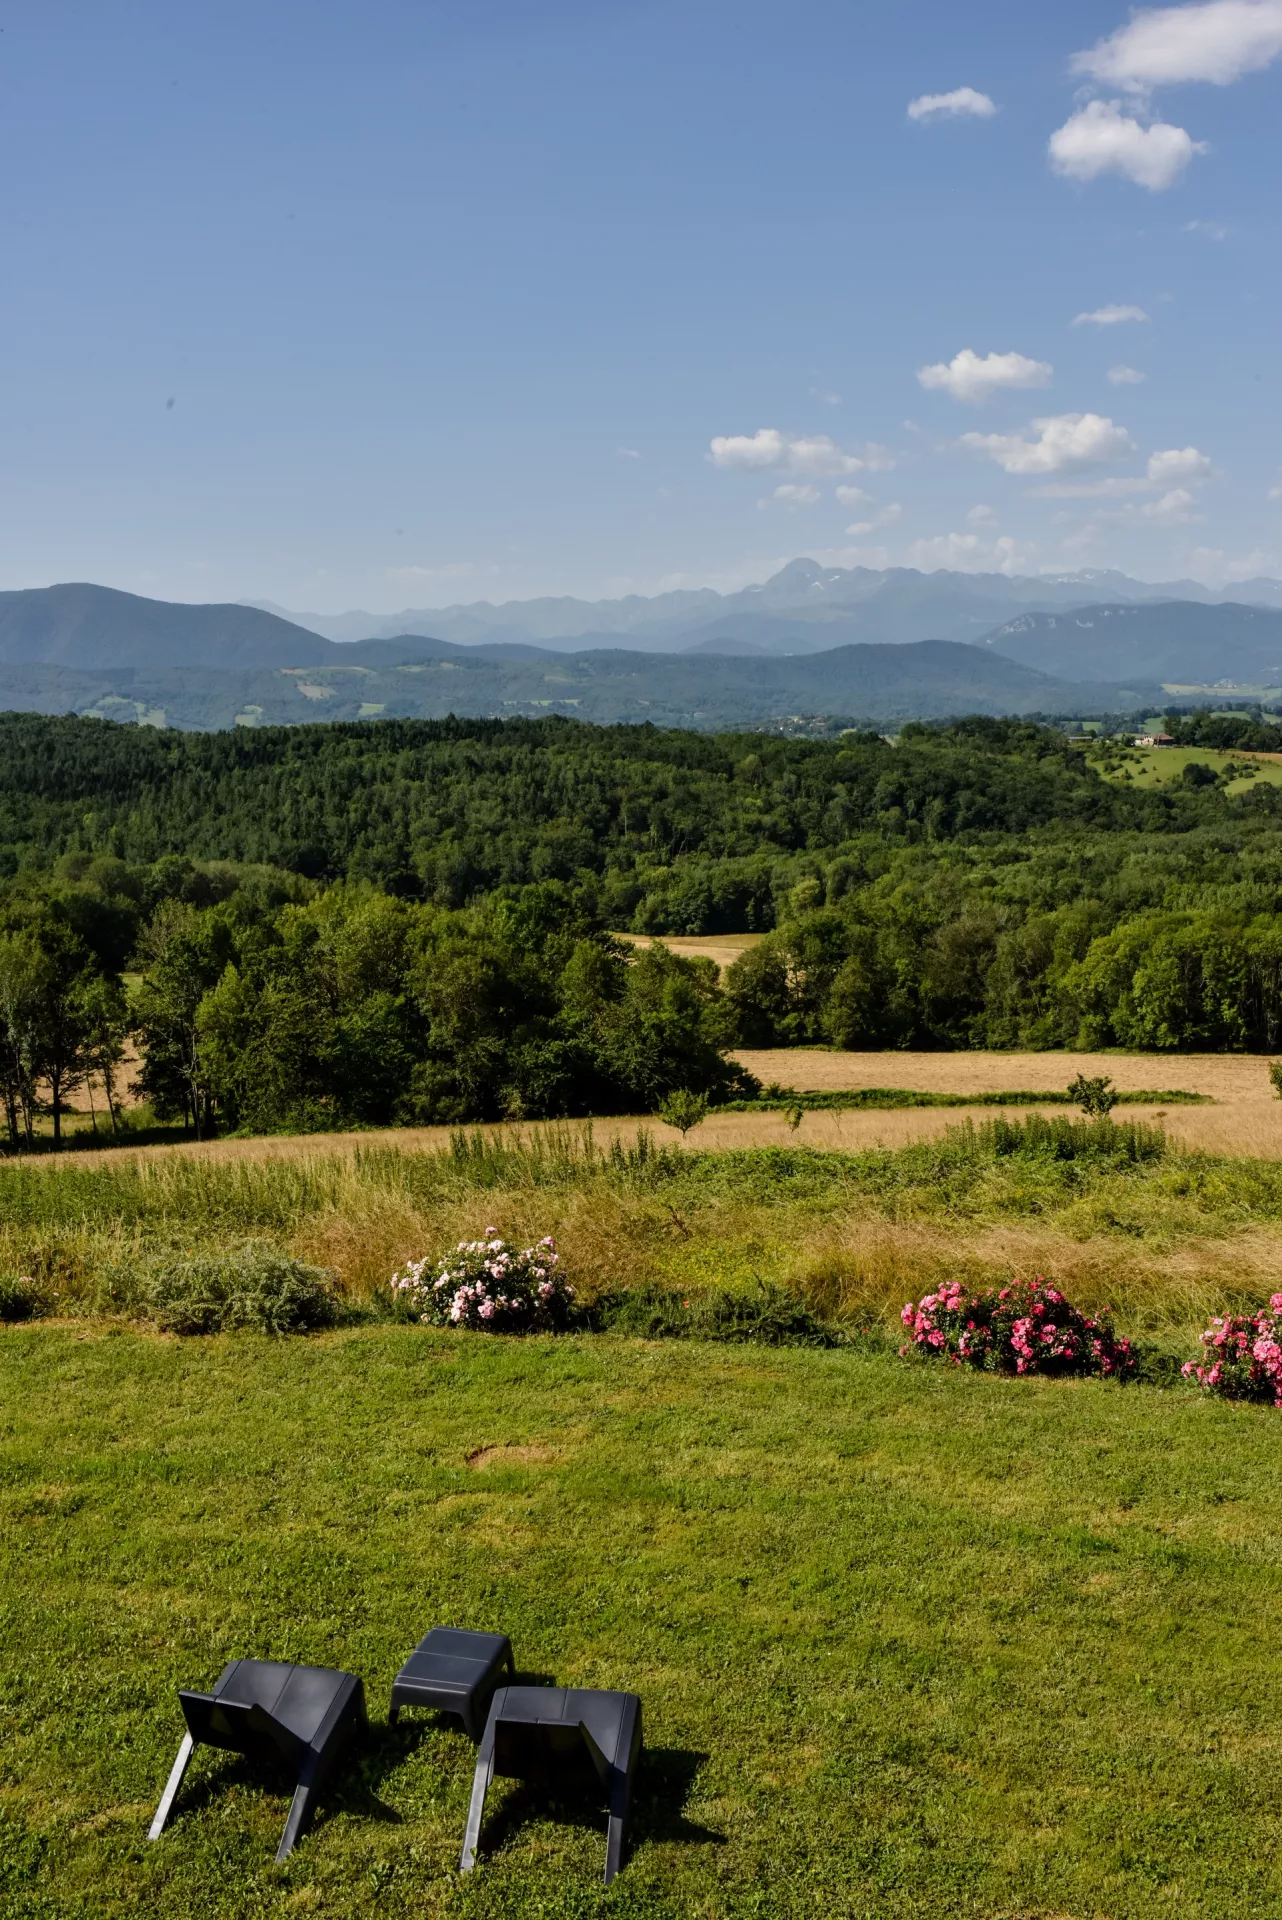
(411, 921)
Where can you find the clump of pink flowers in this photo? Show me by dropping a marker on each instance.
(489, 1286)
(1244, 1355)
(1026, 1327)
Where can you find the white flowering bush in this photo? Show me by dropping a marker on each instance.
(489, 1286)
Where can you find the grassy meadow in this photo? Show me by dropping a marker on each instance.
(909, 1642)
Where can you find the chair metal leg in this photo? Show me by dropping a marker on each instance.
(172, 1785)
(617, 1829)
(626, 1754)
(301, 1808)
(476, 1809)
(393, 1715)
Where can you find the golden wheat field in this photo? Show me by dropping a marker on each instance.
(1246, 1118)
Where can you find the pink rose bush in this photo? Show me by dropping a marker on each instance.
(488, 1286)
(1243, 1355)
(1027, 1327)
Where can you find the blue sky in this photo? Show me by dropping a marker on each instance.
(401, 304)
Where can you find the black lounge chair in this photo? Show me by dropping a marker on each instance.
(455, 1671)
(558, 1737)
(265, 1708)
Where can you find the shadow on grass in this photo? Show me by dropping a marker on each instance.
(351, 1788)
(664, 1782)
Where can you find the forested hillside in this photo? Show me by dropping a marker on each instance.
(411, 921)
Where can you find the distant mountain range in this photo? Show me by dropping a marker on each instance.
(90, 649)
(803, 608)
(1171, 641)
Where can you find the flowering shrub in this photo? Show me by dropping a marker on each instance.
(1245, 1355)
(1027, 1327)
(488, 1285)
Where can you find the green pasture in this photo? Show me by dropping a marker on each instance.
(909, 1643)
(1162, 766)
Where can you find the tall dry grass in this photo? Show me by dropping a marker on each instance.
(1165, 1241)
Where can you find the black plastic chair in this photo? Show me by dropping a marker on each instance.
(269, 1709)
(561, 1737)
(455, 1671)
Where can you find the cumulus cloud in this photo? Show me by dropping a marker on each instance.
(815, 455)
(886, 518)
(854, 497)
(967, 553)
(1164, 46)
(1275, 493)
(1173, 509)
(961, 103)
(1213, 564)
(1165, 469)
(966, 377)
(750, 452)
(1178, 463)
(1209, 229)
(1110, 317)
(1101, 139)
(1065, 442)
(818, 454)
(982, 516)
(1125, 376)
(793, 495)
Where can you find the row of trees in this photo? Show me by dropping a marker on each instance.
(1189, 980)
(64, 1025)
(358, 1008)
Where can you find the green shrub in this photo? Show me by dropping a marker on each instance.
(20, 1297)
(256, 1287)
(1130, 1140)
(768, 1316)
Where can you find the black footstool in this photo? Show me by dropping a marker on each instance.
(454, 1671)
(262, 1708)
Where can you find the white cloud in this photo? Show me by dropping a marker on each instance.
(749, 453)
(1178, 463)
(1064, 443)
(967, 553)
(1164, 46)
(1125, 376)
(627, 453)
(886, 518)
(1213, 564)
(1100, 139)
(829, 399)
(877, 459)
(1110, 317)
(854, 497)
(815, 455)
(1173, 509)
(961, 103)
(982, 516)
(1164, 469)
(1275, 493)
(1209, 229)
(967, 377)
(818, 455)
(792, 495)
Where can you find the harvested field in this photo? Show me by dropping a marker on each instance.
(724, 948)
(1245, 1120)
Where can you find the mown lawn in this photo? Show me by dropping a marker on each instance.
(908, 1642)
